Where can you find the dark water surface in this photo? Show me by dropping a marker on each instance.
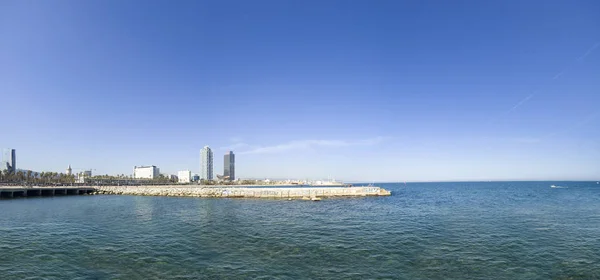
(509, 230)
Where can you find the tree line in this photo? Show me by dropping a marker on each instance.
(50, 178)
(36, 178)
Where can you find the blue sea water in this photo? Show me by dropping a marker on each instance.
(497, 230)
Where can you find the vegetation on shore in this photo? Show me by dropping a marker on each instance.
(30, 177)
(55, 178)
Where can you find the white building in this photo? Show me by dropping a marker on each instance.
(184, 176)
(145, 172)
(69, 170)
(82, 176)
(206, 163)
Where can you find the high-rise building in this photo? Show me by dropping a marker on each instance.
(9, 160)
(206, 163)
(229, 168)
(145, 172)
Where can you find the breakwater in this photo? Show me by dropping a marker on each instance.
(244, 192)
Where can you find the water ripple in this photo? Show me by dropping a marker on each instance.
(424, 231)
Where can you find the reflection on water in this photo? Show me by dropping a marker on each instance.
(143, 208)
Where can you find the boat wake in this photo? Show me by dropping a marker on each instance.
(558, 187)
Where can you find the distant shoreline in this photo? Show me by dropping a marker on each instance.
(500, 181)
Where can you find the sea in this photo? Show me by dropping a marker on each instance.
(472, 230)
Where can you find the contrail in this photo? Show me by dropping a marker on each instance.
(594, 47)
(557, 76)
(521, 103)
(589, 51)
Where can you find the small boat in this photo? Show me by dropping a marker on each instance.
(316, 199)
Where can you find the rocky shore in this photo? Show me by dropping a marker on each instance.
(242, 192)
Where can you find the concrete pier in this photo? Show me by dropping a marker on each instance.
(244, 192)
(14, 192)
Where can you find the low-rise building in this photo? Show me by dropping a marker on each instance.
(170, 177)
(83, 176)
(145, 172)
(185, 176)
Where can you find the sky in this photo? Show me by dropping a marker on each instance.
(375, 91)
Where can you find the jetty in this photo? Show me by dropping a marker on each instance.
(244, 192)
(306, 193)
(19, 191)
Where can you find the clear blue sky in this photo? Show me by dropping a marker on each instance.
(359, 90)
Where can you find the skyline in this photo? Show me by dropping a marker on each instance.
(361, 92)
(69, 170)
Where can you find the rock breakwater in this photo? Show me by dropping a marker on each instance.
(243, 192)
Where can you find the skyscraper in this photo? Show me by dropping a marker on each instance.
(206, 163)
(229, 168)
(9, 160)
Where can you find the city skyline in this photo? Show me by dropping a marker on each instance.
(386, 91)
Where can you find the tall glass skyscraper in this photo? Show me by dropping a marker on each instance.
(206, 163)
(9, 160)
(229, 168)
